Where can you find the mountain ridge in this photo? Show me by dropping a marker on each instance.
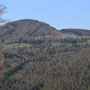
(79, 32)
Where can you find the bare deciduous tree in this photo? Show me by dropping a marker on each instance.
(2, 11)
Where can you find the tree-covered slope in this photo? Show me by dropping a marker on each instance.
(25, 29)
(79, 32)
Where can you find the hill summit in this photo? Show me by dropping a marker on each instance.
(25, 29)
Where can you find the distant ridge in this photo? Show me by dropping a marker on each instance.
(79, 32)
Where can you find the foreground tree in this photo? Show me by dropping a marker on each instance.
(2, 11)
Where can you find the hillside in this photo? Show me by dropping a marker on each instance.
(36, 56)
(25, 29)
(79, 32)
(48, 66)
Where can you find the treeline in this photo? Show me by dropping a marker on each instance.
(79, 32)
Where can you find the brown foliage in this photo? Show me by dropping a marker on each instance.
(48, 68)
(1, 66)
(1, 55)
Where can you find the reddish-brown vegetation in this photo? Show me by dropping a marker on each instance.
(1, 59)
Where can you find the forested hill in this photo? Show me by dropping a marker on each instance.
(79, 32)
(25, 29)
(36, 56)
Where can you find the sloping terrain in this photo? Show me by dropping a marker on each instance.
(46, 67)
(36, 56)
(25, 29)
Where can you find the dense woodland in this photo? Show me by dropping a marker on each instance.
(51, 65)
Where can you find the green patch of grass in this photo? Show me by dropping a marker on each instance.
(64, 36)
(61, 44)
(84, 43)
(88, 88)
(18, 45)
(69, 36)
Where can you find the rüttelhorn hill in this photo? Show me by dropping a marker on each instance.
(25, 29)
(79, 32)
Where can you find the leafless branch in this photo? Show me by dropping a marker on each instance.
(2, 11)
